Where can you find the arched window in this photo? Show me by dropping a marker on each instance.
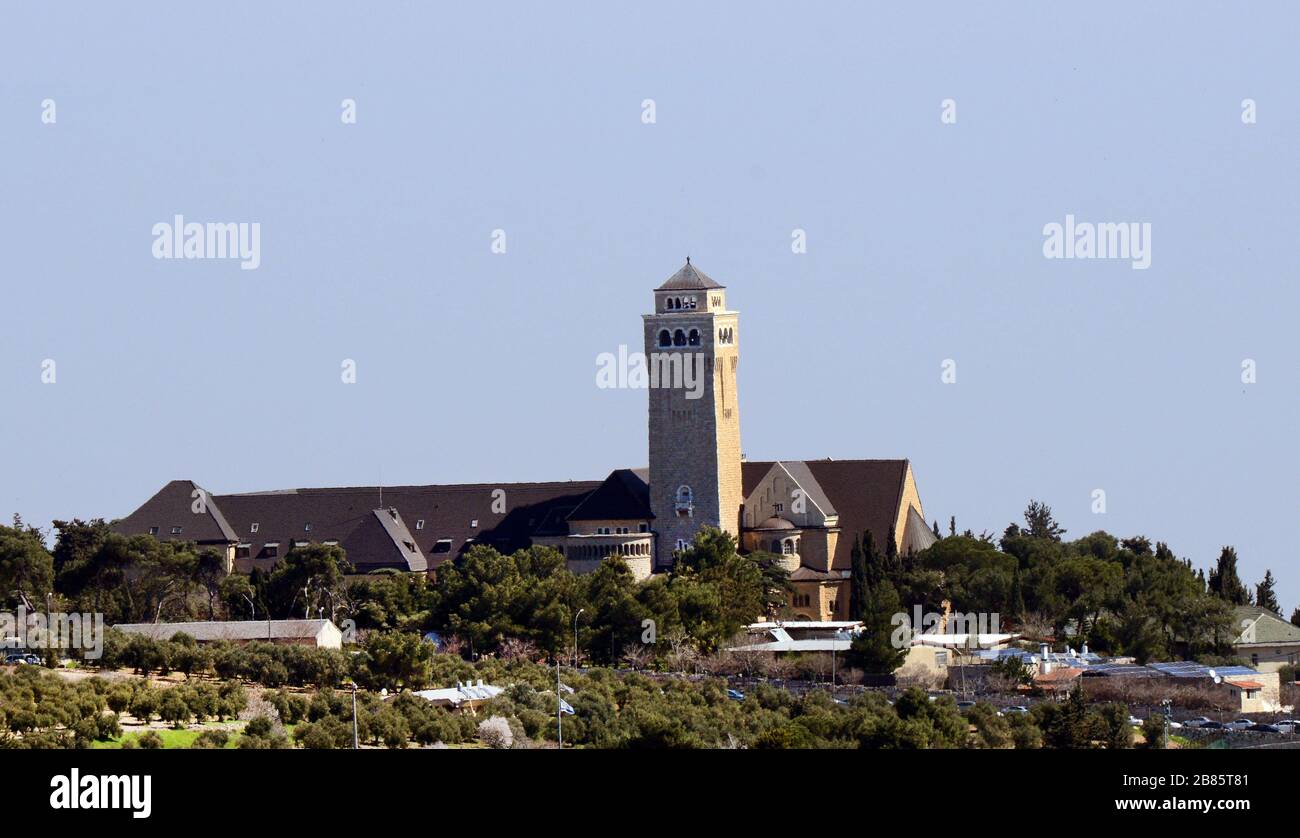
(787, 546)
(665, 339)
(684, 494)
(679, 338)
(776, 546)
(694, 339)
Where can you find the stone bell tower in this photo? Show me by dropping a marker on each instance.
(691, 352)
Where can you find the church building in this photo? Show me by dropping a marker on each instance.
(806, 512)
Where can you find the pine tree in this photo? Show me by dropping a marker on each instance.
(952, 525)
(1295, 616)
(1040, 522)
(936, 528)
(1264, 596)
(1224, 581)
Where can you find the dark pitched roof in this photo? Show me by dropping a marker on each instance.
(688, 279)
(371, 535)
(625, 494)
(457, 514)
(173, 506)
(865, 493)
(803, 475)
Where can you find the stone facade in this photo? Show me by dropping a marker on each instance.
(695, 477)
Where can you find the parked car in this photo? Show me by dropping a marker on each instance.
(735, 695)
(1288, 726)
(965, 705)
(28, 658)
(1239, 724)
(1015, 708)
(1212, 725)
(1264, 728)
(1198, 721)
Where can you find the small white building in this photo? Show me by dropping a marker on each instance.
(320, 633)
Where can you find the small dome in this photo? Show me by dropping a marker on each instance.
(775, 523)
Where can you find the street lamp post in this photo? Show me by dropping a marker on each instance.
(575, 637)
(559, 712)
(355, 743)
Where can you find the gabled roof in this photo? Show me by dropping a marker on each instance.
(391, 520)
(1264, 627)
(174, 506)
(801, 474)
(865, 493)
(625, 495)
(688, 279)
(210, 630)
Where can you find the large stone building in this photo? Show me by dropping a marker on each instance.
(807, 512)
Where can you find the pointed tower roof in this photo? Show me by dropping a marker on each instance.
(689, 279)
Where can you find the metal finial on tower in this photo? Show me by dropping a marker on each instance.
(688, 258)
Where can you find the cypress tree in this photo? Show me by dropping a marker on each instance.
(858, 587)
(1264, 596)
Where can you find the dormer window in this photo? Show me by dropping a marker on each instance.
(176, 530)
(306, 527)
(254, 527)
(153, 530)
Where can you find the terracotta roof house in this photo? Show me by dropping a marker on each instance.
(807, 512)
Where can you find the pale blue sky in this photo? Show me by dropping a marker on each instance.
(924, 243)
